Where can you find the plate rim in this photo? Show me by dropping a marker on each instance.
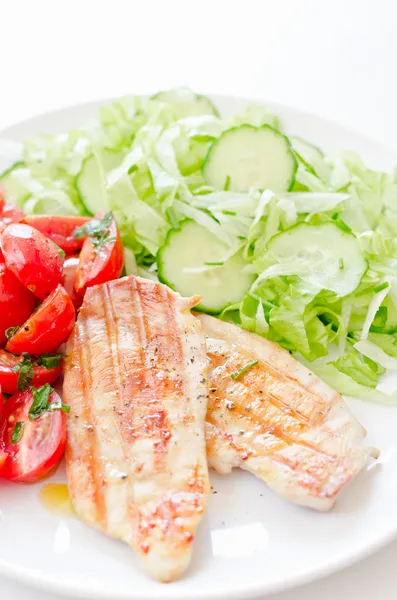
(30, 577)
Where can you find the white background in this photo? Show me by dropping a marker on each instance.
(335, 58)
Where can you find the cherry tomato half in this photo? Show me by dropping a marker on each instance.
(59, 229)
(10, 214)
(32, 258)
(16, 302)
(9, 378)
(69, 272)
(3, 458)
(48, 327)
(32, 447)
(2, 197)
(100, 262)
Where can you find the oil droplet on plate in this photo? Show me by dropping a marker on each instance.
(55, 497)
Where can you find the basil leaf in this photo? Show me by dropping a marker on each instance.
(41, 402)
(25, 377)
(51, 361)
(18, 432)
(41, 398)
(25, 370)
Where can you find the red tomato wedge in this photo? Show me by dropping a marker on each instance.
(33, 446)
(101, 258)
(3, 458)
(10, 214)
(9, 377)
(16, 302)
(2, 197)
(48, 327)
(69, 272)
(32, 258)
(60, 229)
(3, 455)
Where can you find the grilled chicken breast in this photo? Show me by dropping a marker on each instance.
(270, 415)
(136, 382)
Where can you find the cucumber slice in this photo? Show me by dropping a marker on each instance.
(91, 181)
(322, 255)
(311, 157)
(248, 157)
(181, 265)
(186, 103)
(18, 184)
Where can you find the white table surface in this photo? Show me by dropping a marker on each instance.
(335, 58)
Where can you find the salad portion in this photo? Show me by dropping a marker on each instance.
(276, 236)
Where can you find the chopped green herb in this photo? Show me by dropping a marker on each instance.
(80, 232)
(380, 287)
(209, 213)
(227, 183)
(25, 370)
(229, 212)
(173, 219)
(41, 402)
(10, 332)
(18, 432)
(41, 397)
(214, 264)
(341, 264)
(60, 251)
(94, 227)
(98, 230)
(59, 406)
(236, 374)
(51, 361)
(132, 169)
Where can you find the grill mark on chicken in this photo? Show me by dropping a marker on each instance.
(90, 455)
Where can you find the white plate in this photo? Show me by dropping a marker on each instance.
(251, 542)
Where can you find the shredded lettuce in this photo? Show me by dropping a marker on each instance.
(346, 334)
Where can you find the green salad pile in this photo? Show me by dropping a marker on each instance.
(277, 237)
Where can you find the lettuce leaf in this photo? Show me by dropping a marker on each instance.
(360, 368)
